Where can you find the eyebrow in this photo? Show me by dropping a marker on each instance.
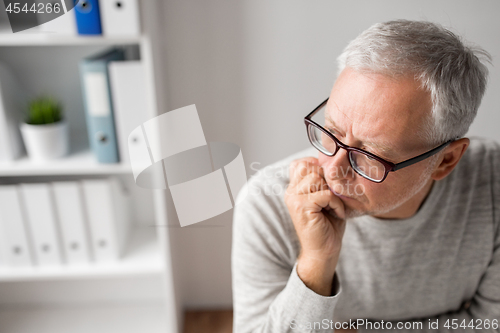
(386, 150)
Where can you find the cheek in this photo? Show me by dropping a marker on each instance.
(375, 194)
(404, 178)
(388, 191)
(370, 190)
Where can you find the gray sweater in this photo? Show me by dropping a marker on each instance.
(437, 271)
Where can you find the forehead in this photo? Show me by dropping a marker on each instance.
(379, 109)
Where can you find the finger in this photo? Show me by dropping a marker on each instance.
(326, 199)
(302, 167)
(313, 182)
(338, 223)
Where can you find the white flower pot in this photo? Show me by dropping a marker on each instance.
(45, 142)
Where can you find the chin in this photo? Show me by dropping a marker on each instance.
(352, 213)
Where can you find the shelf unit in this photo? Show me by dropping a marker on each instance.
(147, 255)
(47, 39)
(142, 257)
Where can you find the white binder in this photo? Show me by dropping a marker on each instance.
(39, 210)
(62, 25)
(107, 210)
(131, 106)
(14, 242)
(120, 18)
(71, 217)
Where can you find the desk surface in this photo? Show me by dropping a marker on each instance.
(208, 321)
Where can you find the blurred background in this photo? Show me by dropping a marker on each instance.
(254, 69)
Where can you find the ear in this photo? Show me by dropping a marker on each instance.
(452, 154)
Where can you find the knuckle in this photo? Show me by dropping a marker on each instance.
(298, 168)
(314, 178)
(294, 205)
(297, 163)
(302, 170)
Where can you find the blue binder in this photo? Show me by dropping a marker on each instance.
(99, 106)
(88, 18)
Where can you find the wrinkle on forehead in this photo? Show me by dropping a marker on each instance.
(371, 139)
(378, 111)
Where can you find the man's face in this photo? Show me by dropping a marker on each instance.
(384, 116)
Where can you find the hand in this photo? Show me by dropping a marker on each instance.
(318, 218)
(317, 214)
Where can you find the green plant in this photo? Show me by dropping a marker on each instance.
(44, 110)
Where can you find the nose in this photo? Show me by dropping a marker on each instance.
(338, 167)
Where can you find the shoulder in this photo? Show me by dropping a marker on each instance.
(478, 174)
(480, 162)
(482, 149)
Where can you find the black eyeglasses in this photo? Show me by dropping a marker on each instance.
(365, 164)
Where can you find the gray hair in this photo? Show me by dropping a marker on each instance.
(451, 71)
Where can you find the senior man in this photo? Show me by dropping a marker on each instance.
(394, 226)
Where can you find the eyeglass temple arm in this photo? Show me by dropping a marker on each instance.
(421, 157)
(313, 112)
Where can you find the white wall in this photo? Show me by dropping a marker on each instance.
(254, 68)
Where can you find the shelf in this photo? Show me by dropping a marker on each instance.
(142, 257)
(40, 38)
(77, 163)
(96, 318)
(81, 161)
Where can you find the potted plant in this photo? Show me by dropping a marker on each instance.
(45, 132)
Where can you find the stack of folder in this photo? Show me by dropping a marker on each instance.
(115, 100)
(63, 223)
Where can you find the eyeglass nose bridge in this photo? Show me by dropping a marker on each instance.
(339, 145)
(349, 152)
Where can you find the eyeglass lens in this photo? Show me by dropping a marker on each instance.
(364, 165)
